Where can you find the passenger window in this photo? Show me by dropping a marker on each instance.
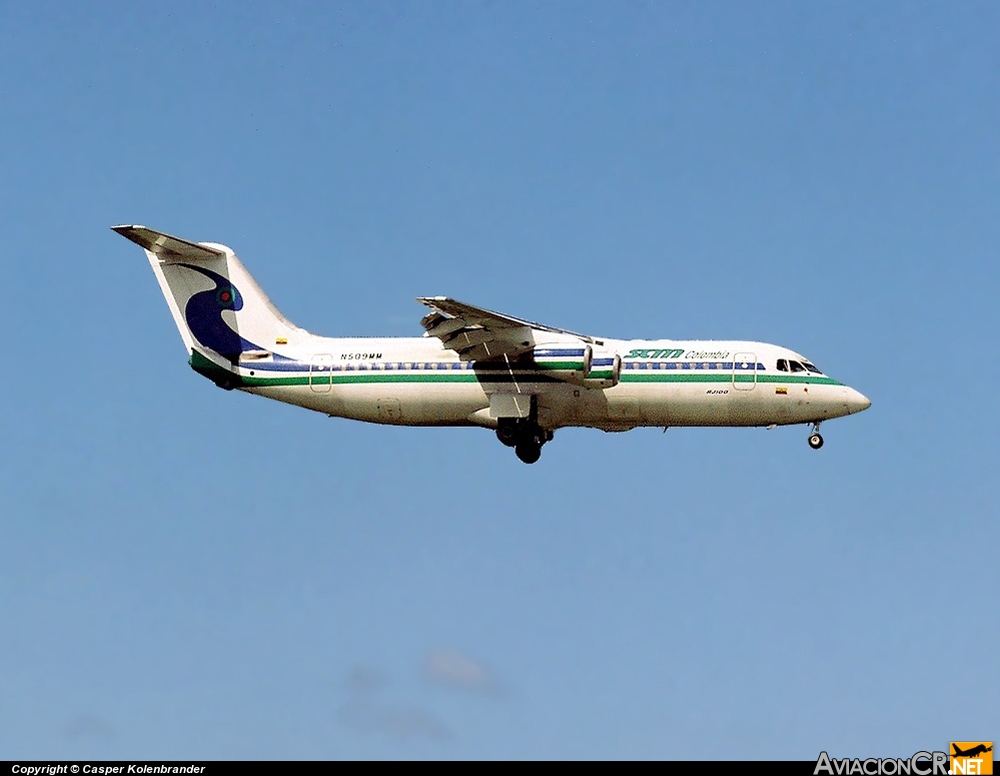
(796, 366)
(782, 365)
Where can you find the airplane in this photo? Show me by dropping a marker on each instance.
(977, 749)
(475, 367)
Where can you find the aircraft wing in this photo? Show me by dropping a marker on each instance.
(480, 334)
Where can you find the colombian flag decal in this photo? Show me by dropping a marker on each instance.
(281, 341)
(781, 391)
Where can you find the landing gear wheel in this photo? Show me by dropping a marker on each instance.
(815, 441)
(508, 434)
(529, 452)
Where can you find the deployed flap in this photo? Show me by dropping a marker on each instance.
(478, 333)
(165, 247)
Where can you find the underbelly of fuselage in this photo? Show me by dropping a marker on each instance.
(562, 404)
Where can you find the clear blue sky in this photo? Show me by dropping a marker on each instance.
(189, 573)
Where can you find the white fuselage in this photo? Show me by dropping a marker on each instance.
(417, 381)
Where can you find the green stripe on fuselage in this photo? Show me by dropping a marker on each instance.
(379, 377)
(233, 379)
(382, 377)
(723, 377)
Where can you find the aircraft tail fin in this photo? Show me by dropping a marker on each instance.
(217, 306)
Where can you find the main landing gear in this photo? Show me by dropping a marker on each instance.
(815, 440)
(525, 436)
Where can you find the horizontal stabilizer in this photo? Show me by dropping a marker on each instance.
(167, 248)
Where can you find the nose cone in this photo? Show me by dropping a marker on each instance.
(857, 401)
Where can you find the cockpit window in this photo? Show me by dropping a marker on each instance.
(796, 366)
(782, 365)
(812, 367)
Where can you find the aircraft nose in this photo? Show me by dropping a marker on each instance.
(857, 401)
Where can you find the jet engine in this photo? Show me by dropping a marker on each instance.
(605, 369)
(579, 364)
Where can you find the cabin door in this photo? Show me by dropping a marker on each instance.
(321, 373)
(744, 371)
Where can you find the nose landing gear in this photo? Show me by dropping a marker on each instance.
(815, 440)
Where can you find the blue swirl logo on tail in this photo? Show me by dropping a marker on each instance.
(203, 314)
